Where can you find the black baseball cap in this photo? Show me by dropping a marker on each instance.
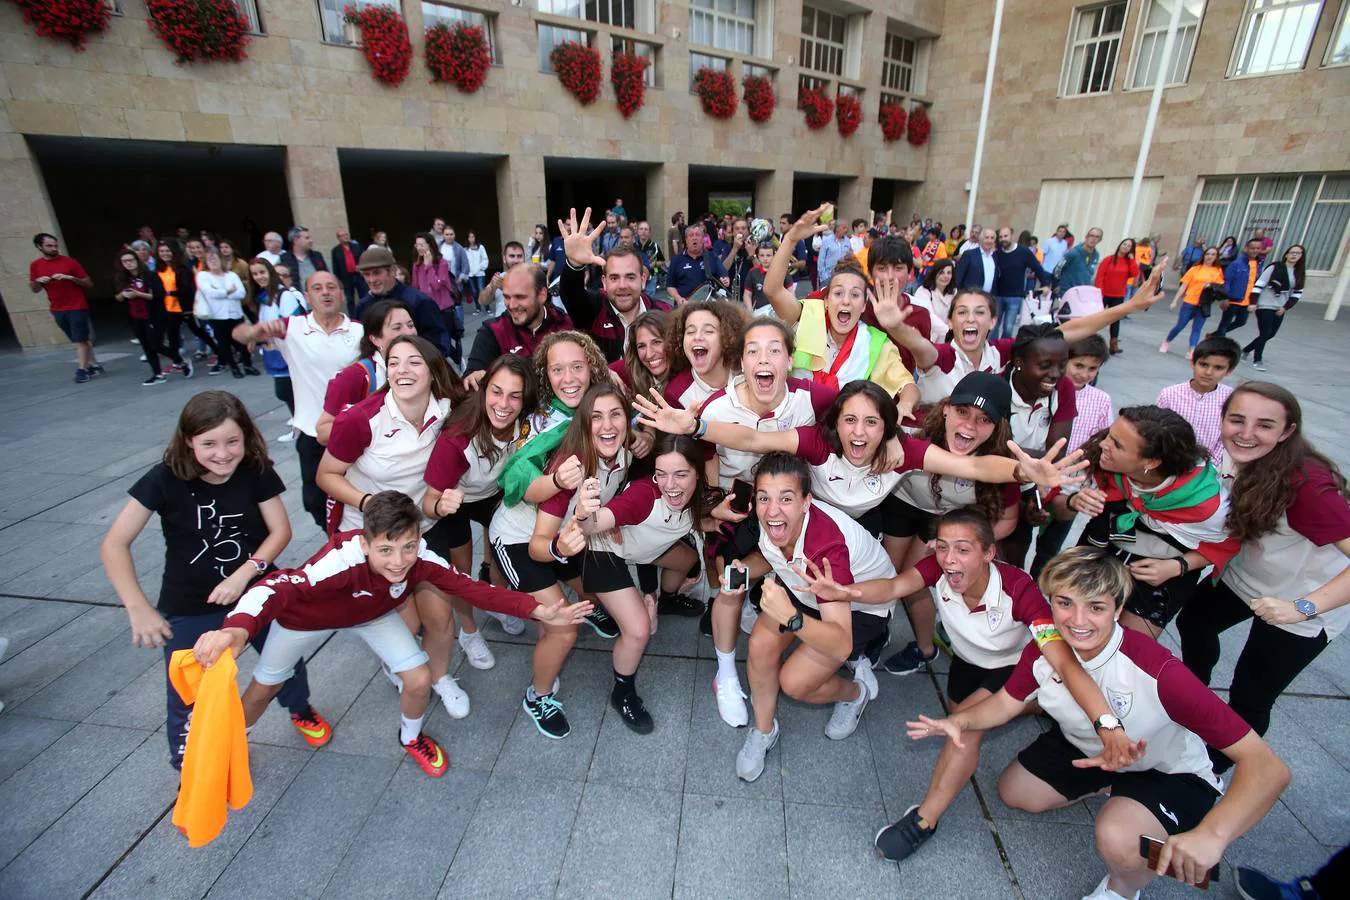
(985, 391)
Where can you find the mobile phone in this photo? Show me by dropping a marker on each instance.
(1151, 849)
(735, 578)
(740, 496)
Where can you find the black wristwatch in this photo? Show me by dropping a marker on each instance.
(793, 625)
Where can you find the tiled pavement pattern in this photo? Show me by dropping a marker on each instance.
(85, 789)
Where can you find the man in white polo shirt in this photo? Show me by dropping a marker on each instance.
(316, 347)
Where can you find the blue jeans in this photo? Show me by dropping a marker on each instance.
(1009, 309)
(294, 694)
(1193, 314)
(476, 285)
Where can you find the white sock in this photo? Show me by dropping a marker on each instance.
(409, 729)
(726, 667)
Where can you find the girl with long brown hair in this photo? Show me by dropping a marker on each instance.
(143, 294)
(1289, 505)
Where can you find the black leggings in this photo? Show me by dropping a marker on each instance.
(285, 391)
(175, 336)
(229, 352)
(1270, 660)
(1112, 303)
(151, 335)
(1267, 325)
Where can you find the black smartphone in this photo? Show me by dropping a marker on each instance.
(740, 496)
(1150, 848)
(735, 578)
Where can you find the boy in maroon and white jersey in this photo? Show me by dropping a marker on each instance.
(1170, 795)
(357, 581)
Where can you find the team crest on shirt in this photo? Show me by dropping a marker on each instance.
(963, 484)
(1120, 702)
(396, 590)
(872, 483)
(995, 616)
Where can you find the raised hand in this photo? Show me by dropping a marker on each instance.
(562, 613)
(578, 238)
(886, 305)
(1048, 475)
(449, 502)
(1150, 292)
(571, 540)
(568, 476)
(655, 412)
(822, 583)
(472, 379)
(808, 224)
(588, 499)
(774, 602)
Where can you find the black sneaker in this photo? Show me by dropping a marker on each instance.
(81, 376)
(153, 380)
(603, 625)
(235, 371)
(705, 621)
(250, 370)
(186, 367)
(899, 840)
(678, 605)
(631, 709)
(96, 369)
(216, 369)
(484, 573)
(547, 712)
(909, 660)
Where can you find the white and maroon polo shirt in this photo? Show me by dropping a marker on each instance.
(352, 385)
(687, 391)
(386, 452)
(802, 401)
(313, 357)
(457, 461)
(848, 488)
(916, 489)
(1156, 698)
(828, 534)
(939, 380)
(648, 527)
(993, 633)
(515, 524)
(1300, 555)
(1030, 421)
(337, 588)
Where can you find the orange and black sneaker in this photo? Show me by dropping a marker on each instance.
(312, 727)
(429, 755)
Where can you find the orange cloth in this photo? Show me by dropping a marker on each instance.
(1196, 278)
(169, 278)
(215, 764)
(1143, 255)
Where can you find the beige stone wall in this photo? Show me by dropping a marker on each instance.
(1212, 125)
(314, 98)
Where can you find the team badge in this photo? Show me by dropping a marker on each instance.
(963, 484)
(872, 483)
(1120, 702)
(995, 616)
(396, 590)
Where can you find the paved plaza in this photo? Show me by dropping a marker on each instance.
(86, 790)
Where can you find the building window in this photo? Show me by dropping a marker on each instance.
(897, 66)
(1312, 210)
(822, 46)
(704, 61)
(336, 31)
(114, 6)
(1094, 47)
(646, 51)
(551, 36)
(1275, 36)
(1338, 48)
(724, 24)
(249, 9)
(440, 14)
(634, 14)
(748, 69)
(810, 83)
(1153, 23)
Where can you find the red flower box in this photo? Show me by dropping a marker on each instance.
(919, 127)
(819, 108)
(717, 92)
(65, 20)
(628, 73)
(578, 68)
(848, 114)
(384, 40)
(459, 55)
(200, 29)
(893, 119)
(759, 98)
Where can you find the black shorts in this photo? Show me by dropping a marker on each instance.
(966, 678)
(603, 572)
(1158, 605)
(1177, 801)
(74, 323)
(869, 631)
(455, 531)
(901, 519)
(529, 575)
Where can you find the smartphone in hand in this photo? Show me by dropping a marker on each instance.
(740, 496)
(735, 578)
(1151, 849)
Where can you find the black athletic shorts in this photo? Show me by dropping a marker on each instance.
(1177, 801)
(869, 631)
(1158, 605)
(455, 531)
(966, 678)
(901, 519)
(602, 572)
(528, 575)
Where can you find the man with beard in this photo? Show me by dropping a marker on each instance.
(528, 319)
(377, 268)
(607, 313)
(1012, 262)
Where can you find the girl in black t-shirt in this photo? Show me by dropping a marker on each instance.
(219, 504)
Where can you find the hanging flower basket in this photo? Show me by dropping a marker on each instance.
(759, 98)
(919, 127)
(65, 20)
(628, 74)
(578, 68)
(199, 30)
(848, 114)
(893, 120)
(459, 55)
(819, 108)
(384, 40)
(717, 92)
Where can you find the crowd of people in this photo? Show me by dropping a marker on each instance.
(911, 435)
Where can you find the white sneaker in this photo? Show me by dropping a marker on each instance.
(748, 616)
(393, 678)
(287, 437)
(476, 650)
(750, 761)
(456, 702)
(847, 713)
(510, 624)
(863, 674)
(731, 703)
(1102, 892)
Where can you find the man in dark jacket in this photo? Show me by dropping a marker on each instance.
(1012, 262)
(977, 269)
(377, 268)
(344, 256)
(302, 259)
(528, 319)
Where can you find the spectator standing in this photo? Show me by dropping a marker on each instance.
(271, 248)
(431, 275)
(302, 259)
(478, 266)
(834, 246)
(1055, 247)
(936, 295)
(1239, 280)
(224, 294)
(1080, 263)
(179, 281)
(1192, 255)
(1014, 264)
(377, 268)
(1228, 250)
(456, 255)
(1278, 288)
(977, 269)
(1113, 278)
(490, 298)
(535, 252)
(972, 239)
(276, 301)
(65, 282)
(143, 294)
(694, 267)
(618, 209)
(675, 235)
(344, 255)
